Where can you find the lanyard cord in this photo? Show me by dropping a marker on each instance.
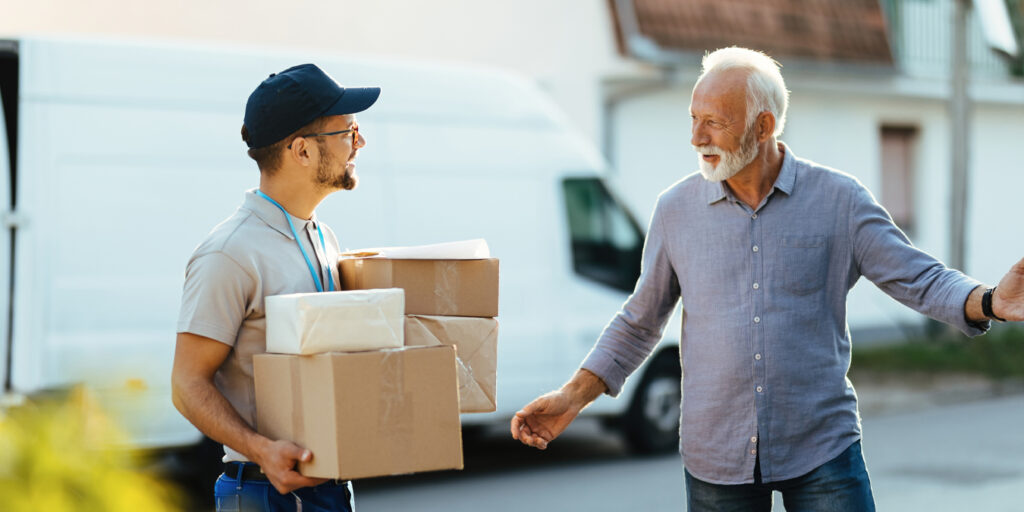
(316, 279)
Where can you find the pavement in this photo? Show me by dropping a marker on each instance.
(961, 457)
(936, 445)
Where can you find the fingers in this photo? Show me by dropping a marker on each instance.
(521, 425)
(517, 425)
(524, 433)
(296, 452)
(305, 481)
(536, 441)
(293, 480)
(519, 421)
(282, 468)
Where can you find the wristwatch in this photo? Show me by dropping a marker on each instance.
(986, 305)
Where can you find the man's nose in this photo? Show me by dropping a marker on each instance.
(360, 140)
(699, 136)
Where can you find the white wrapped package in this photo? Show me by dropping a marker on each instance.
(353, 321)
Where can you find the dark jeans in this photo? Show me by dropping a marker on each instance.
(840, 485)
(252, 495)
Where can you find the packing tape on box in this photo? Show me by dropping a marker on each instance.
(446, 280)
(298, 426)
(396, 415)
(465, 374)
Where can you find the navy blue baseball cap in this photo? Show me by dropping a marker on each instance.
(293, 98)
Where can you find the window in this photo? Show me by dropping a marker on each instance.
(606, 242)
(898, 145)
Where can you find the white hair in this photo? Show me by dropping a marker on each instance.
(766, 90)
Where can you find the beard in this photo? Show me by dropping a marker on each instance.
(347, 180)
(731, 162)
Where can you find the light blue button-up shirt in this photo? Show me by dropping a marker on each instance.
(764, 343)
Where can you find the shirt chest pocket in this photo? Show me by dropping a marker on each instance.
(802, 265)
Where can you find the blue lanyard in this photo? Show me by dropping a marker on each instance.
(312, 272)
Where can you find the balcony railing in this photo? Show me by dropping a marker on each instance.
(921, 35)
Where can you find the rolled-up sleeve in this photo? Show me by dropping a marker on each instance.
(636, 329)
(885, 256)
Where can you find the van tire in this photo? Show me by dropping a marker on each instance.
(651, 424)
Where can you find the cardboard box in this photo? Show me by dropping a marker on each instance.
(363, 414)
(476, 343)
(432, 287)
(313, 323)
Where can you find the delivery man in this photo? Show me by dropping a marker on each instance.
(301, 130)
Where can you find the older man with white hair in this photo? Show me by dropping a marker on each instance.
(762, 247)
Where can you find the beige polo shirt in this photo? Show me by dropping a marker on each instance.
(246, 258)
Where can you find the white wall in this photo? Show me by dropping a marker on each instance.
(565, 45)
(839, 127)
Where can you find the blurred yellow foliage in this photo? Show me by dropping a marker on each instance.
(67, 455)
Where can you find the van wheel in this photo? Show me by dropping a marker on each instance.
(651, 424)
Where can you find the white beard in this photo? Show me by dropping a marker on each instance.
(730, 163)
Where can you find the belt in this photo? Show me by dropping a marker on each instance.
(250, 471)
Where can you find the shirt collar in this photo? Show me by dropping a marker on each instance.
(717, 191)
(272, 216)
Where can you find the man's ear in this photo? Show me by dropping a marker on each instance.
(765, 126)
(300, 151)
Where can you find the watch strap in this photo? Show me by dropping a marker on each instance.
(986, 305)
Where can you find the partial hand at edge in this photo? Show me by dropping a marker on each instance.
(1008, 299)
(279, 461)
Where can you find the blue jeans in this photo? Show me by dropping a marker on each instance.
(840, 485)
(251, 495)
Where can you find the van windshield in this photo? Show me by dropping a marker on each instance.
(606, 241)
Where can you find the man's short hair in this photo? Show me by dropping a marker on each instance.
(268, 158)
(766, 90)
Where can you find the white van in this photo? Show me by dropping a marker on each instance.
(120, 156)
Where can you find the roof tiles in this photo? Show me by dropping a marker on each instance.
(827, 30)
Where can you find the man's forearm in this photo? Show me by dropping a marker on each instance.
(203, 405)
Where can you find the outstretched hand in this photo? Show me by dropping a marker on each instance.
(543, 419)
(1008, 299)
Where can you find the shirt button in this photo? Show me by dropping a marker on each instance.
(757, 286)
(757, 319)
(753, 439)
(757, 356)
(753, 452)
(756, 249)
(754, 216)
(760, 389)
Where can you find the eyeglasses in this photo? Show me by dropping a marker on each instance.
(354, 131)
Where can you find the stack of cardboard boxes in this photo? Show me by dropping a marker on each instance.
(372, 381)
(447, 303)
